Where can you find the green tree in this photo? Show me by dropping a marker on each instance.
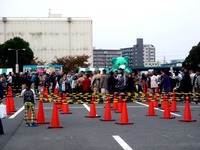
(192, 61)
(72, 63)
(8, 57)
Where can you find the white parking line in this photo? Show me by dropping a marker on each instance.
(15, 114)
(158, 109)
(122, 143)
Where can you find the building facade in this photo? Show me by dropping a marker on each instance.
(149, 55)
(51, 36)
(128, 52)
(141, 55)
(102, 58)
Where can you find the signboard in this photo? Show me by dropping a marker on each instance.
(40, 69)
(5, 70)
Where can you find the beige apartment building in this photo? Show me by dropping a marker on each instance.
(51, 36)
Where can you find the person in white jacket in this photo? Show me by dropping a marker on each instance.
(153, 82)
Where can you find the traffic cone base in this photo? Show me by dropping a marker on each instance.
(128, 123)
(187, 120)
(92, 116)
(152, 115)
(42, 122)
(54, 127)
(107, 120)
(167, 117)
(66, 112)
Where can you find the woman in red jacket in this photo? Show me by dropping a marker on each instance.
(86, 83)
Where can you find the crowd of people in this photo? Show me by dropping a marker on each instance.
(102, 82)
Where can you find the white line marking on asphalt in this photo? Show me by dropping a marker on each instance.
(15, 114)
(122, 143)
(88, 108)
(195, 103)
(158, 109)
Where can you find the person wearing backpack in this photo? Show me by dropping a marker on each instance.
(29, 104)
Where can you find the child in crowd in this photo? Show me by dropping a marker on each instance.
(29, 104)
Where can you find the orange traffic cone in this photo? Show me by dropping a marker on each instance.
(59, 105)
(41, 118)
(119, 106)
(165, 99)
(187, 113)
(173, 106)
(124, 115)
(8, 109)
(107, 112)
(55, 123)
(9, 92)
(115, 104)
(155, 102)
(92, 113)
(151, 111)
(65, 109)
(45, 92)
(12, 104)
(167, 114)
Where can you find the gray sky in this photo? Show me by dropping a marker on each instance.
(172, 26)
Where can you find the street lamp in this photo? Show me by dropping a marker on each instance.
(16, 65)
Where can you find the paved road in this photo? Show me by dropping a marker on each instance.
(80, 133)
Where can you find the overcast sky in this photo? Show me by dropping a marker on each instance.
(172, 26)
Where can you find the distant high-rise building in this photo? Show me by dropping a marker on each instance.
(102, 58)
(141, 55)
(51, 36)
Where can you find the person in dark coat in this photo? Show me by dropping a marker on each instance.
(130, 84)
(111, 83)
(1, 98)
(186, 85)
(166, 82)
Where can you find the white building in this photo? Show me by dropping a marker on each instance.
(51, 36)
(149, 56)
